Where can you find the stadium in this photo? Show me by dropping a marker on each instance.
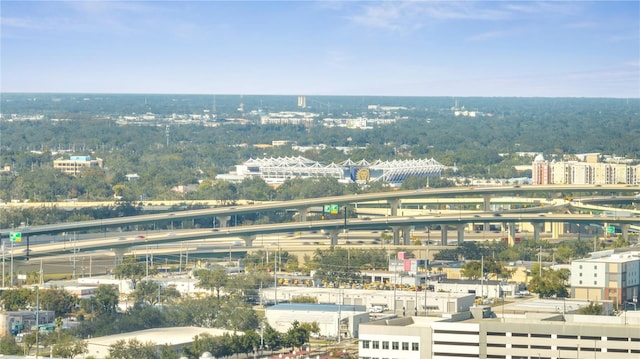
(275, 171)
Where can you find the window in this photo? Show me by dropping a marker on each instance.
(588, 337)
(365, 344)
(533, 335)
(376, 344)
(540, 347)
(580, 282)
(385, 345)
(395, 345)
(519, 334)
(563, 336)
(415, 346)
(520, 346)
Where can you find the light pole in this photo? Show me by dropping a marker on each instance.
(37, 289)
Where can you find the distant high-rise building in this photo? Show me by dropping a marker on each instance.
(578, 172)
(302, 101)
(541, 172)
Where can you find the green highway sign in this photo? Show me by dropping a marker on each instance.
(331, 208)
(611, 229)
(15, 236)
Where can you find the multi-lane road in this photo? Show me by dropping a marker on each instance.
(248, 233)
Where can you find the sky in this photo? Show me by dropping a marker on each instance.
(390, 48)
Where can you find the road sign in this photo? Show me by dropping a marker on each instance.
(331, 208)
(15, 236)
(611, 229)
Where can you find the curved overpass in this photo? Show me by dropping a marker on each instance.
(393, 198)
(333, 227)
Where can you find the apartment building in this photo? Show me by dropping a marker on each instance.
(579, 172)
(607, 275)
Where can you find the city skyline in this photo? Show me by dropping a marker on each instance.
(469, 48)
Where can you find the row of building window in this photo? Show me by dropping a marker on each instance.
(564, 336)
(375, 344)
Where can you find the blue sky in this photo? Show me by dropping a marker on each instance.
(419, 48)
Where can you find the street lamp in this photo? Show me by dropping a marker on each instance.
(37, 289)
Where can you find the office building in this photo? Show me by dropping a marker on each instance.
(482, 334)
(75, 164)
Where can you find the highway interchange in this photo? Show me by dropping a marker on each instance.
(176, 240)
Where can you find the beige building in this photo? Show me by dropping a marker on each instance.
(588, 172)
(75, 164)
(607, 275)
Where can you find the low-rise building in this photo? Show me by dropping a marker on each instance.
(331, 318)
(75, 164)
(607, 275)
(175, 337)
(400, 302)
(484, 334)
(14, 322)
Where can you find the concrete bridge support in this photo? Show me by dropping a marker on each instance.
(406, 235)
(625, 232)
(460, 229)
(538, 227)
(443, 235)
(396, 235)
(303, 212)
(118, 255)
(224, 221)
(333, 235)
(556, 230)
(393, 205)
(486, 206)
(248, 240)
(511, 234)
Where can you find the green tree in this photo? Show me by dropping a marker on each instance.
(105, 301)
(592, 309)
(133, 270)
(133, 349)
(147, 292)
(255, 188)
(212, 279)
(311, 327)
(8, 346)
(296, 336)
(58, 300)
(304, 299)
(66, 346)
(552, 283)
(272, 338)
(15, 299)
(471, 270)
